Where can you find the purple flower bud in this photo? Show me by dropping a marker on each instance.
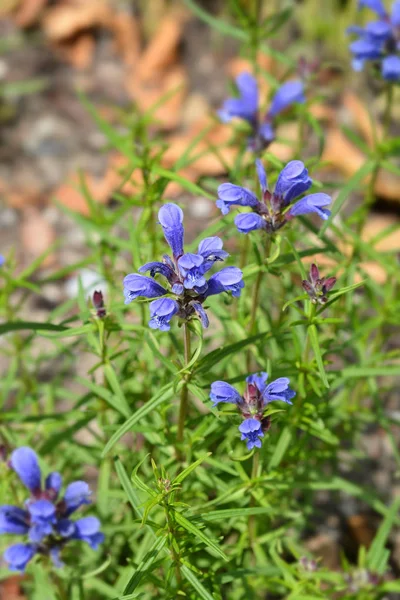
(138, 285)
(289, 93)
(314, 203)
(251, 430)
(53, 485)
(161, 312)
(230, 194)
(171, 218)
(98, 303)
(318, 287)
(224, 392)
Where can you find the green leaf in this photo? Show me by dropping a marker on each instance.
(119, 394)
(21, 325)
(133, 498)
(162, 396)
(235, 513)
(313, 333)
(280, 449)
(377, 552)
(145, 564)
(182, 476)
(346, 190)
(196, 584)
(216, 356)
(189, 526)
(218, 24)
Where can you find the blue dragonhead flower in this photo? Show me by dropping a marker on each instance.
(253, 402)
(274, 209)
(379, 41)
(45, 519)
(187, 286)
(247, 108)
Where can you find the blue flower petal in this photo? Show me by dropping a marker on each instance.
(229, 279)
(313, 203)
(139, 285)
(18, 556)
(293, 180)
(161, 312)
(13, 520)
(247, 222)
(25, 463)
(171, 218)
(76, 494)
(224, 392)
(230, 194)
(289, 93)
(391, 68)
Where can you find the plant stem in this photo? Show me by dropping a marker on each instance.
(184, 391)
(256, 296)
(387, 117)
(252, 524)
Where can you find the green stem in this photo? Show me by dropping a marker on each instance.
(175, 555)
(252, 523)
(256, 297)
(387, 117)
(184, 391)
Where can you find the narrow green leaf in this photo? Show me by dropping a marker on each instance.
(196, 584)
(189, 526)
(218, 24)
(190, 468)
(313, 333)
(145, 564)
(377, 549)
(162, 396)
(235, 513)
(280, 449)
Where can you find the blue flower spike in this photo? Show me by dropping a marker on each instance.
(45, 519)
(246, 106)
(187, 287)
(252, 404)
(379, 41)
(274, 209)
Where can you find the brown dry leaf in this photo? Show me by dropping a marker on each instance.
(162, 51)
(126, 30)
(167, 91)
(8, 6)
(360, 530)
(37, 235)
(10, 589)
(375, 225)
(67, 20)
(361, 116)
(325, 548)
(28, 12)
(340, 153)
(79, 51)
(20, 198)
(69, 194)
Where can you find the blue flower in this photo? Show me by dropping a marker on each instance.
(378, 41)
(45, 518)
(161, 312)
(251, 405)
(314, 203)
(2, 260)
(246, 107)
(251, 431)
(185, 274)
(270, 212)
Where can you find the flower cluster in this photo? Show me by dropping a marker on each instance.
(46, 517)
(185, 275)
(318, 287)
(246, 107)
(271, 212)
(253, 402)
(378, 41)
